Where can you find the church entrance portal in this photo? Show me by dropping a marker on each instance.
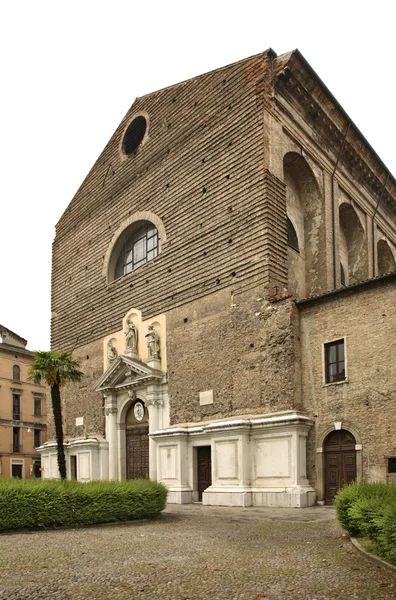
(340, 462)
(204, 460)
(137, 442)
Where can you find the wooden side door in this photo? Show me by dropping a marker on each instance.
(204, 460)
(340, 462)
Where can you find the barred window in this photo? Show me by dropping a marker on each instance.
(140, 247)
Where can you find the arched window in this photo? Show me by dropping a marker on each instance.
(143, 244)
(16, 373)
(292, 239)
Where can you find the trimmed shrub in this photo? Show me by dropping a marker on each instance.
(385, 538)
(28, 503)
(369, 510)
(362, 496)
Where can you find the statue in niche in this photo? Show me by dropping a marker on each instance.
(153, 342)
(111, 352)
(131, 336)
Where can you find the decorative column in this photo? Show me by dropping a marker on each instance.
(153, 404)
(111, 434)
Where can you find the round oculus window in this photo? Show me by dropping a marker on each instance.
(134, 135)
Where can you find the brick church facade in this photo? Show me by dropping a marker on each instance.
(226, 276)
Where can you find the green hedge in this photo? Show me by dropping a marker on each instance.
(369, 510)
(53, 503)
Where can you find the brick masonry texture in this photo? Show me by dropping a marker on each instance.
(202, 173)
(244, 353)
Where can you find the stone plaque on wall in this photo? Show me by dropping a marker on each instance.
(206, 397)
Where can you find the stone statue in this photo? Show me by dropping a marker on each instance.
(131, 336)
(111, 352)
(153, 342)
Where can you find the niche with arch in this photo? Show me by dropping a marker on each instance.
(306, 228)
(385, 259)
(16, 373)
(352, 245)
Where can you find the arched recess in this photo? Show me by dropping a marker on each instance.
(126, 229)
(352, 245)
(385, 259)
(321, 458)
(16, 373)
(304, 205)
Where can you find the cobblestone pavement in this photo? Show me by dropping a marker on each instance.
(194, 552)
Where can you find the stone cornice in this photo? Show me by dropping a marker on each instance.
(329, 122)
(239, 425)
(19, 423)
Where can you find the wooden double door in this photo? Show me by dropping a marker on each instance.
(340, 462)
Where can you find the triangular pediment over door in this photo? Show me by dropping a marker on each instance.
(128, 373)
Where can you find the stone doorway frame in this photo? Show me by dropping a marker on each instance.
(127, 404)
(320, 459)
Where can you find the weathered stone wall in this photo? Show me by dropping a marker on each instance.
(366, 401)
(244, 352)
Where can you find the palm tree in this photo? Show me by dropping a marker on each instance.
(56, 368)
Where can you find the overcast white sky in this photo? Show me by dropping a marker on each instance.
(70, 70)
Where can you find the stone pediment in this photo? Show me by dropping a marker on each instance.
(127, 373)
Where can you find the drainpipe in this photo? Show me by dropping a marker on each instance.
(334, 207)
(372, 220)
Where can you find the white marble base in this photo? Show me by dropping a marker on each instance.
(256, 460)
(286, 498)
(226, 497)
(91, 459)
(179, 496)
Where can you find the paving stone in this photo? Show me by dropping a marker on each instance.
(195, 552)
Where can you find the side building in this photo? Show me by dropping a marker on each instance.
(226, 276)
(23, 420)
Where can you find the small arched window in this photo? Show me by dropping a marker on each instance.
(292, 238)
(142, 245)
(16, 373)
